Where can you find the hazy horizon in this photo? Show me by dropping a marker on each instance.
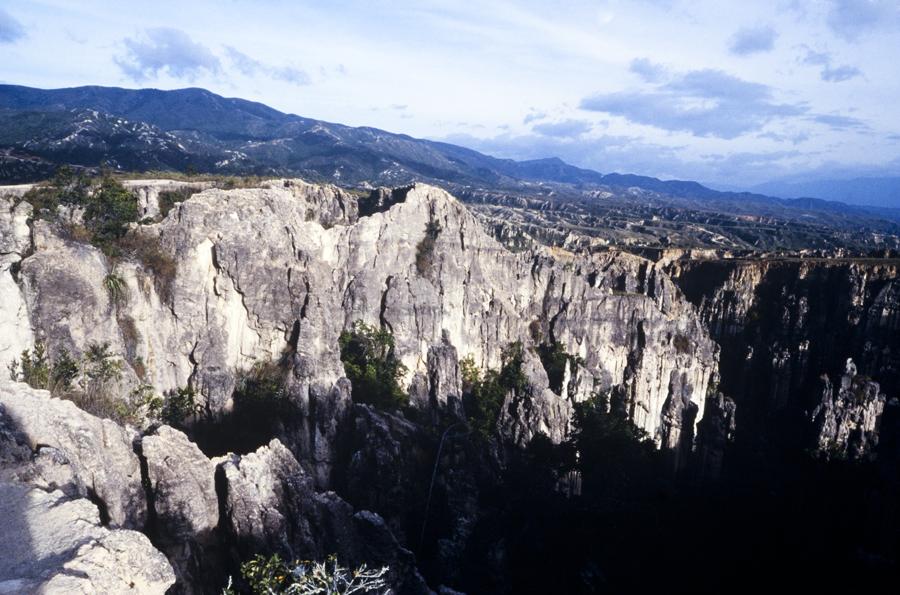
(675, 90)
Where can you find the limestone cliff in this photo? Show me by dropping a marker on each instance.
(286, 267)
(784, 323)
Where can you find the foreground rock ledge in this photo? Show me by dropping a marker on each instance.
(52, 544)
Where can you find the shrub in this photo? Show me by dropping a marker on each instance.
(146, 250)
(67, 187)
(98, 373)
(554, 359)
(272, 576)
(116, 290)
(615, 456)
(37, 370)
(484, 396)
(168, 198)
(179, 404)
(144, 402)
(425, 248)
(108, 211)
(372, 366)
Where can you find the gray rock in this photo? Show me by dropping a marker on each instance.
(270, 505)
(848, 418)
(287, 266)
(15, 243)
(181, 489)
(51, 444)
(714, 433)
(51, 544)
(181, 482)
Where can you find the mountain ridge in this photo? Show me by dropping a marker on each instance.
(193, 129)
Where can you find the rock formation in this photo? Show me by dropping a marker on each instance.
(50, 543)
(51, 444)
(784, 323)
(847, 419)
(284, 268)
(232, 279)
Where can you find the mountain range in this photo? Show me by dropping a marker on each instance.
(194, 130)
(883, 191)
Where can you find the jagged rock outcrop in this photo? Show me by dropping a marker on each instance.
(276, 273)
(180, 484)
(270, 506)
(15, 244)
(784, 323)
(52, 544)
(537, 410)
(148, 191)
(440, 387)
(847, 419)
(714, 433)
(51, 444)
(286, 267)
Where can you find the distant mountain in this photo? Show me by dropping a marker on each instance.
(874, 191)
(196, 130)
(237, 136)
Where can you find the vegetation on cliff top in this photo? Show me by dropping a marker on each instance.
(93, 382)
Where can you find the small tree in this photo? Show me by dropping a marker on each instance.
(425, 248)
(616, 457)
(108, 211)
(372, 366)
(179, 404)
(484, 395)
(38, 370)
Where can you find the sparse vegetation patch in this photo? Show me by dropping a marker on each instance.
(372, 366)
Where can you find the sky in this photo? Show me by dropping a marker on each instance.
(730, 93)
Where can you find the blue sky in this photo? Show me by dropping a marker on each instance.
(730, 93)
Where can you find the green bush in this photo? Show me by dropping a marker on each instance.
(67, 187)
(36, 369)
(108, 211)
(425, 248)
(116, 290)
(144, 402)
(272, 576)
(97, 391)
(615, 456)
(179, 404)
(554, 359)
(168, 198)
(372, 366)
(484, 395)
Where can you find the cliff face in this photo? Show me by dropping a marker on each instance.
(257, 273)
(792, 353)
(230, 279)
(790, 329)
